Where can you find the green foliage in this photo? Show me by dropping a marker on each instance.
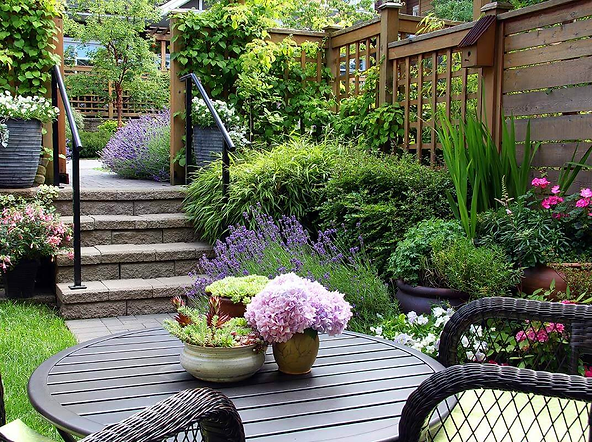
(379, 198)
(27, 33)
(407, 261)
(240, 289)
(304, 14)
(212, 42)
(459, 10)
(359, 117)
(124, 56)
(30, 335)
(278, 94)
(94, 142)
(480, 171)
(287, 180)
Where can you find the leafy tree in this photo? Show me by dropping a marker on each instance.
(124, 56)
(462, 10)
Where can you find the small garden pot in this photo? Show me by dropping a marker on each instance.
(19, 281)
(540, 277)
(232, 309)
(20, 159)
(208, 143)
(214, 364)
(420, 299)
(298, 354)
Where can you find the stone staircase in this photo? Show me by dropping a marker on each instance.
(137, 251)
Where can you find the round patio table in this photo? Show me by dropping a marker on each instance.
(355, 391)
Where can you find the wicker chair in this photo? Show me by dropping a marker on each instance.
(494, 400)
(181, 417)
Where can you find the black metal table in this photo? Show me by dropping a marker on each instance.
(355, 392)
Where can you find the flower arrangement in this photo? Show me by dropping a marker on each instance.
(212, 329)
(202, 117)
(238, 289)
(28, 231)
(290, 304)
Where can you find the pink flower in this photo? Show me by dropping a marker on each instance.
(551, 201)
(586, 193)
(555, 190)
(588, 372)
(555, 327)
(584, 202)
(540, 182)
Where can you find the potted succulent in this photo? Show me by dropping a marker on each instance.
(207, 138)
(20, 137)
(436, 263)
(236, 292)
(290, 312)
(29, 231)
(217, 348)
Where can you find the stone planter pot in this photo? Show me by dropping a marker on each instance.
(420, 299)
(234, 310)
(221, 364)
(19, 281)
(20, 159)
(207, 145)
(298, 354)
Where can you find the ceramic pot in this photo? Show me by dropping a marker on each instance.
(221, 364)
(540, 277)
(19, 281)
(19, 160)
(420, 299)
(298, 354)
(234, 310)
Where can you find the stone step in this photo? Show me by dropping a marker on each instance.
(123, 202)
(125, 261)
(121, 297)
(134, 229)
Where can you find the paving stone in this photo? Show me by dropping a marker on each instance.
(183, 234)
(149, 306)
(111, 207)
(86, 222)
(157, 206)
(112, 222)
(162, 221)
(95, 237)
(144, 236)
(90, 255)
(183, 268)
(93, 309)
(179, 250)
(95, 291)
(89, 273)
(170, 287)
(147, 270)
(127, 252)
(128, 289)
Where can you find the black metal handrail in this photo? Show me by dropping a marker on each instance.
(57, 85)
(190, 80)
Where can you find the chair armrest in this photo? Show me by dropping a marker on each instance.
(456, 379)
(576, 318)
(200, 410)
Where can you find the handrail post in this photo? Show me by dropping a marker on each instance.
(188, 127)
(225, 173)
(54, 131)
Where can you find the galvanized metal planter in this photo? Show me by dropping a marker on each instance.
(20, 159)
(208, 144)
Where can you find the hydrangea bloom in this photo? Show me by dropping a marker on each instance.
(290, 304)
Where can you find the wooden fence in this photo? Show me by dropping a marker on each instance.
(541, 71)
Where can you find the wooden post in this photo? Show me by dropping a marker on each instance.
(177, 107)
(389, 32)
(48, 136)
(332, 59)
(491, 105)
(477, 5)
(110, 112)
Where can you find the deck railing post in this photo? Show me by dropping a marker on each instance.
(55, 139)
(389, 32)
(188, 127)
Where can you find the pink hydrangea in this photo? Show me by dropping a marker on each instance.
(540, 182)
(586, 193)
(290, 304)
(551, 201)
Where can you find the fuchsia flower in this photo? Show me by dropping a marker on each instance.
(584, 202)
(540, 182)
(586, 193)
(588, 372)
(555, 190)
(551, 201)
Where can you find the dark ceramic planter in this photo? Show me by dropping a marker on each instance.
(20, 159)
(227, 307)
(541, 277)
(19, 282)
(420, 299)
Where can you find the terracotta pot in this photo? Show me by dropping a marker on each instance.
(298, 354)
(540, 277)
(420, 299)
(19, 282)
(221, 364)
(227, 307)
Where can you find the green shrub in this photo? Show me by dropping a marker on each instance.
(287, 180)
(379, 198)
(94, 142)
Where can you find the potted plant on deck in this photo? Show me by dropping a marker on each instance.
(217, 348)
(236, 292)
(436, 263)
(29, 231)
(290, 312)
(21, 120)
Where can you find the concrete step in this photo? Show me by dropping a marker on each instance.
(120, 297)
(125, 261)
(134, 229)
(123, 202)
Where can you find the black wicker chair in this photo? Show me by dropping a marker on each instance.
(512, 375)
(181, 417)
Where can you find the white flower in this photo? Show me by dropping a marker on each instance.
(441, 321)
(438, 311)
(464, 341)
(411, 317)
(403, 338)
(422, 320)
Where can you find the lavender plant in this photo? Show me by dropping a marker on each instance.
(275, 247)
(140, 149)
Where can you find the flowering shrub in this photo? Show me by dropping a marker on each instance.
(140, 149)
(30, 231)
(202, 117)
(273, 248)
(421, 332)
(290, 304)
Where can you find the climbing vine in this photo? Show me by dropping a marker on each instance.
(27, 32)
